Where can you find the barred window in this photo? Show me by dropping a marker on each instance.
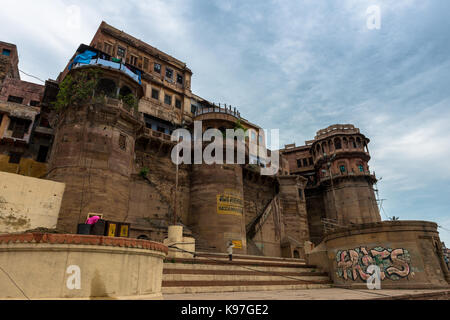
(123, 142)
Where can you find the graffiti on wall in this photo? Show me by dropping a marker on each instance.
(395, 264)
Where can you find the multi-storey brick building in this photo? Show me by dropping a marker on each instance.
(25, 134)
(115, 156)
(340, 185)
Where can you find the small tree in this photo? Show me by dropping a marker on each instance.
(130, 100)
(77, 89)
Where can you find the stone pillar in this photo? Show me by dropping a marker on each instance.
(295, 218)
(4, 125)
(217, 197)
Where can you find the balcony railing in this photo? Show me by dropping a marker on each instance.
(111, 64)
(216, 109)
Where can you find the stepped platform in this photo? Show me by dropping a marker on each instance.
(213, 272)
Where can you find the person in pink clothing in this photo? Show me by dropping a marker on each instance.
(92, 220)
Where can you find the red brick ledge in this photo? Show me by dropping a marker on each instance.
(82, 240)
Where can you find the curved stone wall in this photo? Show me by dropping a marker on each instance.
(66, 266)
(409, 255)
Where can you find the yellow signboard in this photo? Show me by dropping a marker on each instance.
(112, 230)
(230, 202)
(124, 231)
(237, 244)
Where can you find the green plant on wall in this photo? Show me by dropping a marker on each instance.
(76, 89)
(238, 125)
(144, 171)
(129, 100)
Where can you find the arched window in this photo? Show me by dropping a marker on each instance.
(330, 146)
(352, 143)
(323, 147)
(125, 91)
(358, 142)
(345, 141)
(337, 143)
(296, 254)
(318, 149)
(360, 167)
(106, 87)
(342, 168)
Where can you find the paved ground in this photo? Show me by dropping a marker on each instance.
(313, 294)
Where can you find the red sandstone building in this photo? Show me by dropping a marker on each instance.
(114, 157)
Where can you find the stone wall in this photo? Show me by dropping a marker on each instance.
(27, 203)
(27, 90)
(408, 253)
(64, 266)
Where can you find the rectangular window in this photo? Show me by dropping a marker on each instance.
(157, 67)
(253, 136)
(107, 48)
(305, 162)
(34, 103)
(168, 99)
(14, 157)
(361, 168)
(6, 52)
(18, 128)
(155, 94)
(342, 168)
(161, 129)
(15, 99)
(133, 60)
(193, 108)
(146, 63)
(42, 155)
(179, 78)
(178, 103)
(123, 142)
(299, 163)
(311, 161)
(121, 52)
(169, 73)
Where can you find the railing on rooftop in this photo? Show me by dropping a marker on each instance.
(111, 64)
(217, 109)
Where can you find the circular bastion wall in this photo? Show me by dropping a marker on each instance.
(408, 253)
(67, 266)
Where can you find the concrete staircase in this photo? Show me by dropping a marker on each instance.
(212, 272)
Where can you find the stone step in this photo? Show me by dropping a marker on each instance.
(198, 267)
(242, 262)
(241, 287)
(258, 276)
(241, 271)
(239, 257)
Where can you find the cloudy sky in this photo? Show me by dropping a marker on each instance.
(297, 65)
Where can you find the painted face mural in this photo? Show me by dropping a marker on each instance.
(394, 264)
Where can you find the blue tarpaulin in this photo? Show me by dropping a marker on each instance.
(84, 57)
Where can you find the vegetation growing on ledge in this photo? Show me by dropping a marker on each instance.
(238, 125)
(144, 171)
(130, 101)
(77, 89)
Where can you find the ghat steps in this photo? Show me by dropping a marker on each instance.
(212, 272)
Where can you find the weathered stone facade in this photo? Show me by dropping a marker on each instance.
(115, 158)
(339, 183)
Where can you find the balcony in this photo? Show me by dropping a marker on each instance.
(113, 65)
(149, 134)
(338, 175)
(216, 109)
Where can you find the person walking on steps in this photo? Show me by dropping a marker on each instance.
(230, 247)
